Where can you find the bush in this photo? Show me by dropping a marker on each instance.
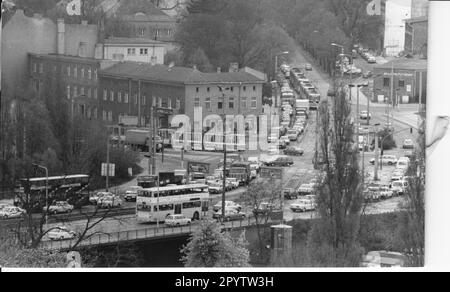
(389, 142)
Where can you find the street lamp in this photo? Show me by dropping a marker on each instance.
(46, 190)
(375, 178)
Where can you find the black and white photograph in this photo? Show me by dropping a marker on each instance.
(218, 134)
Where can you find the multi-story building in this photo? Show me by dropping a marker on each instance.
(416, 36)
(134, 49)
(401, 81)
(132, 89)
(396, 12)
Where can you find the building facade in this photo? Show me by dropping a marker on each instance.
(133, 89)
(134, 49)
(401, 81)
(419, 8)
(416, 36)
(396, 12)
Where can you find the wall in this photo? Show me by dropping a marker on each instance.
(394, 35)
(157, 51)
(22, 35)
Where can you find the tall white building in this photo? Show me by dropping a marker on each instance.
(394, 29)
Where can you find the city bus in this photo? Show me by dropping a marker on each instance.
(155, 204)
(31, 193)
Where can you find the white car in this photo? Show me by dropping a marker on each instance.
(59, 207)
(303, 206)
(233, 182)
(109, 202)
(386, 159)
(408, 144)
(306, 189)
(177, 220)
(228, 205)
(93, 199)
(131, 193)
(399, 186)
(11, 212)
(61, 233)
(230, 214)
(365, 115)
(403, 163)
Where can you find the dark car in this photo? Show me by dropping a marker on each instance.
(281, 161)
(293, 151)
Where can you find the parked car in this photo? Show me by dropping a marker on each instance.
(399, 187)
(177, 220)
(109, 202)
(230, 214)
(308, 67)
(11, 212)
(371, 60)
(286, 140)
(61, 233)
(228, 205)
(293, 151)
(131, 193)
(303, 205)
(59, 207)
(408, 144)
(233, 182)
(263, 208)
(403, 163)
(216, 188)
(306, 189)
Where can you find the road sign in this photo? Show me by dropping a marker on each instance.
(271, 172)
(112, 169)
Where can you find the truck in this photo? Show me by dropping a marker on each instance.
(302, 106)
(241, 171)
(138, 139)
(290, 190)
(314, 98)
(147, 181)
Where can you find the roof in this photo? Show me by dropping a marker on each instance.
(127, 41)
(405, 64)
(182, 75)
(417, 19)
(56, 57)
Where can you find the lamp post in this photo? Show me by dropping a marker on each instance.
(375, 178)
(46, 191)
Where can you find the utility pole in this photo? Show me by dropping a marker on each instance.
(107, 161)
(376, 153)
(154, 143)
(150, 142)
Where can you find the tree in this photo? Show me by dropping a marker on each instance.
(208, 246)
(412, 222)
(333, 238)
(200, 60)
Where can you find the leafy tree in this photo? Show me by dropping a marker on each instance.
(208, 246)
(333, 238)
(200, 60)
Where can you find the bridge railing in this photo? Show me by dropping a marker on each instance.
(146, 233)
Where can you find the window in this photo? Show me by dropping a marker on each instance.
(68, 91)
(82, 90)
(178, 104)
(35, 67)
(41, 68)
(401, 83)
(144, 52)
(169, 103)
(131, 52)
(119, 96)
(89, 71)
(110, 117)
(55, 68)
(95, 93)
(197, 89)
(154, 101)
(169, 32)
(75, 91)
(244, 102)
(111, 95)
(254, 88)
(244, 88)
(387, 82)
(75, 71)
(105, 94)
(95, 113)
(157, 32)
(231, 103)
(89, 92)
(208, 103)
(68, 70)
(142, 31)
(126, 98)
(104, 116)
(89, 113)
(207, 89)
(232, 88)
(220, 104)
(95, 74)
(254, 104)
(143, 100)
(135, 98)
(82, 72)
(160, 102)
(197, 102)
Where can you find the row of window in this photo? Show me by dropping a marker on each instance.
(72, 91)
(221, 89)
(76, 71)
(157, 31)
(167, 207)
(387, 82)
(142, 52)
(123, 97)
(221, 103)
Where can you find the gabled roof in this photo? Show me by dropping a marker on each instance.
(181, 75)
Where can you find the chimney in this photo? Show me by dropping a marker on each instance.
(61, 44)
(82, 50)
(219, 70)
(98, 54)
(234, 67)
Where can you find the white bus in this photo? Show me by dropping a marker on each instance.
(155, 204)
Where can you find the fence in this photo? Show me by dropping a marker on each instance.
(154, 232)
